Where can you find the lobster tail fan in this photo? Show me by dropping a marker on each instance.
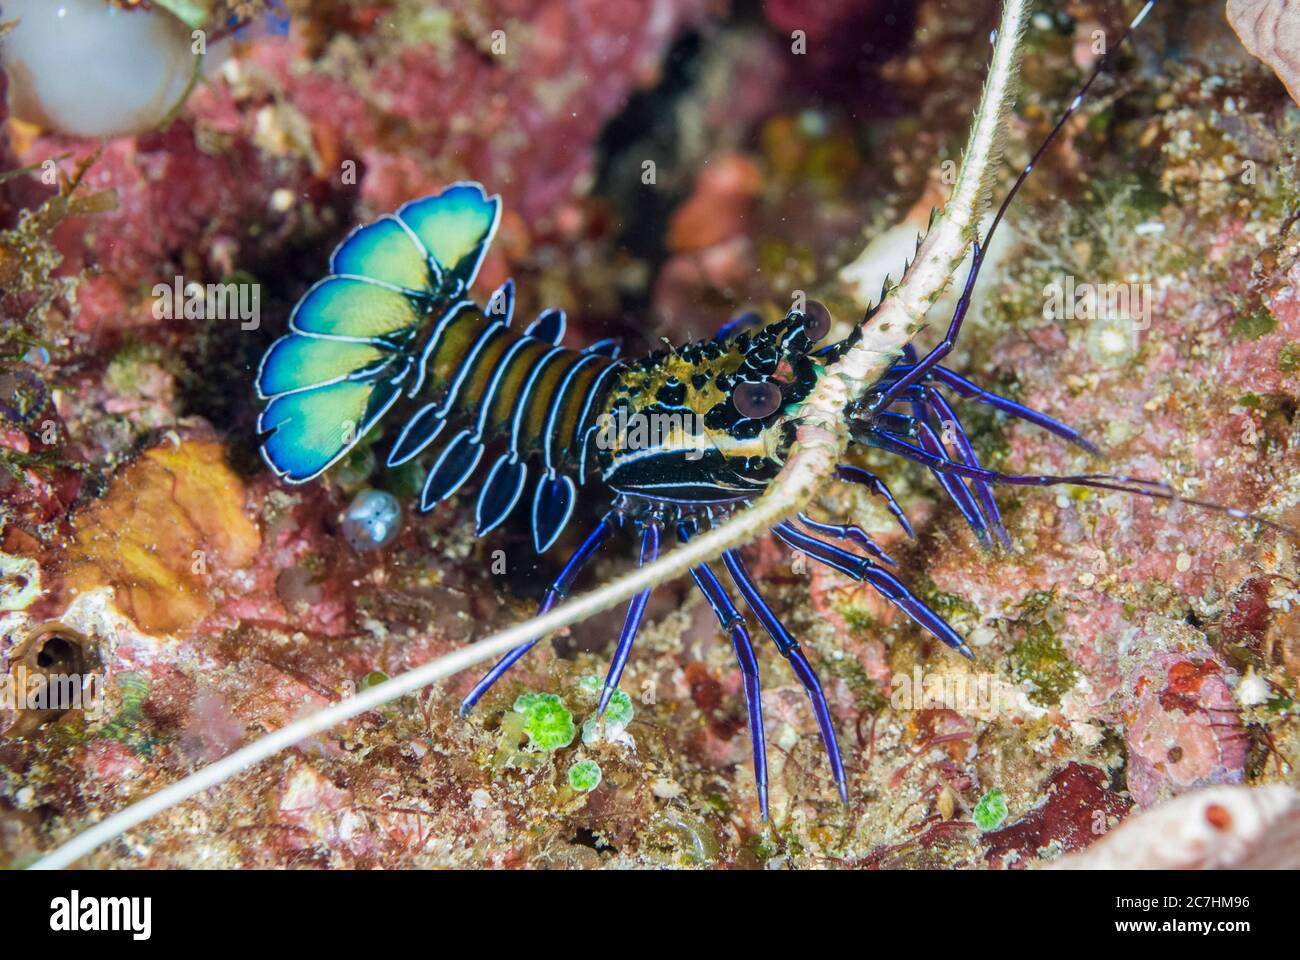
(335, 374)
(353, 335)
(455, 228)
(385, 251)
(312, 430)
(553, 503)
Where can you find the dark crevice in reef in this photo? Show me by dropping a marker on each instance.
(587, 838)
(647, 130)
(651, 126)
(220, 363)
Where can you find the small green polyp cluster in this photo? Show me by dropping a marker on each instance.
(618, 712)
(589, 687)
(584, 776)
(549, 726)
(547, 721)
(991, 811)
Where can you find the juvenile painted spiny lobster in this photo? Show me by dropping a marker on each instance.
(394, 318)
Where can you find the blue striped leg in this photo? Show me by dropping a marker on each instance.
(934, 403)
(850, 532)
(885, 583)
(556, 592)
(970, 391)
(1099, 481)
(789, 648)
(736, 324)
(866, 478)
(944, 413)
(955, 486)
(635, 613)
(732, 622)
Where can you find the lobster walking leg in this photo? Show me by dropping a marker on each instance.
(954, 486)
(850, 532)
(736, 324)
(866, 478)
(635, 613)
(558, 589)
(945, 414)
(964, 388)
(789, 648)
(970, 391)
(932, 402)
(885, 583)
(1100, 481)
(732, 622)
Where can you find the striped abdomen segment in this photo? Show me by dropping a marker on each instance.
(492, 380)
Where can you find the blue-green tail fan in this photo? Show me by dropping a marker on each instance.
(355, 337)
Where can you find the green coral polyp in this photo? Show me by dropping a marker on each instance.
(618, 713)
(584, 776)
(991, 811)
(547, 721)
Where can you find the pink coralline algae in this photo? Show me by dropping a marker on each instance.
(314, 814)
(1185, 729)
(173, 194)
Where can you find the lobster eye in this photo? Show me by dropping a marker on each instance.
(757, 399)
(817, 321)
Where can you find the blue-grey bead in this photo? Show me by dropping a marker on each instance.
(372, 520)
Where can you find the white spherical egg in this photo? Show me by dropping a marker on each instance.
(90, 69)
